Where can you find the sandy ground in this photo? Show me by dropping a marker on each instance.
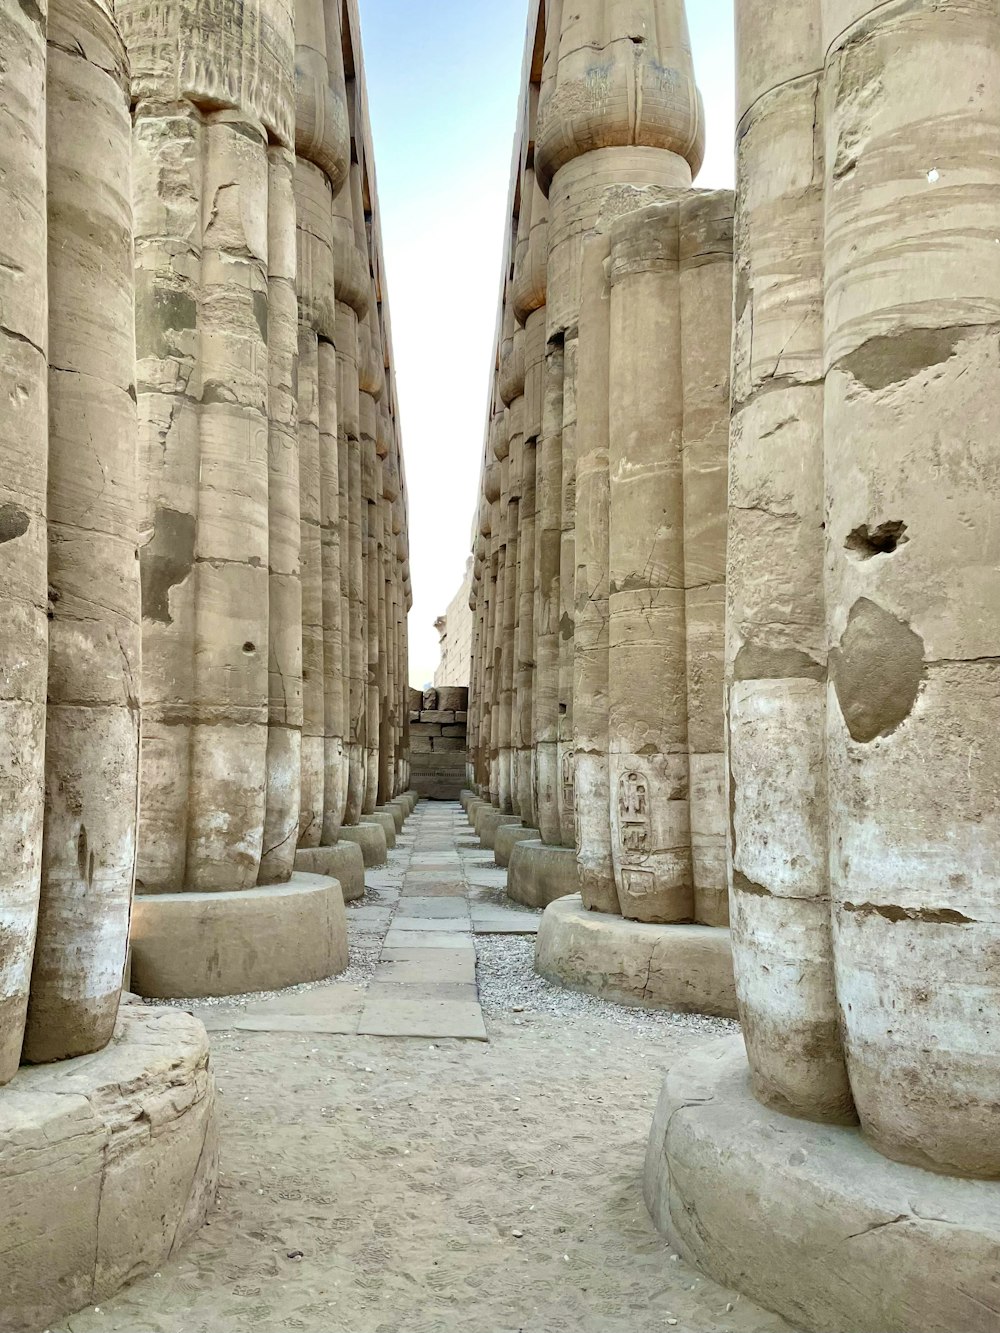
(377, 1185)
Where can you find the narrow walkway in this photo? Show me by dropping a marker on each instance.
(381, 1184)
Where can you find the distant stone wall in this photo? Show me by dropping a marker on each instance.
(438, 741)
(455, 629)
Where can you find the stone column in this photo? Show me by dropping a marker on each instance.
(284, 735)
(354, 285)
(204, 403)
(548, 540)
(776, 639)
(912, 401)
(706, 289)
(353, 294)
(23, 554)
(514, 418)
(313, 691)
(603, 145)
(528, 296)
(650, 822)
(92, 723)
(590, 683)
(371, 385)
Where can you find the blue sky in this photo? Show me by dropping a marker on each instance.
(443, 82)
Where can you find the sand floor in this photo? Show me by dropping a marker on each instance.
(394, 1185)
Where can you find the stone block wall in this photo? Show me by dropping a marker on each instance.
(439, 741)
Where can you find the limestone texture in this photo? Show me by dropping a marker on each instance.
(688, 969)
(108, 1166)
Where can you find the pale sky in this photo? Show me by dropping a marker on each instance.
(443, 86)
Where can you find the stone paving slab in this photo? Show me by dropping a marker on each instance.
(386, 1015)
(404, 921)
(444, 889)
(416, 992)
(421, 965)
(431, 906)
(429, 939)
(502, 922)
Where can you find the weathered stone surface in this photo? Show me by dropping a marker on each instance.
(344, 862)
(688, 969)
(108, 1164)
(370, 837)
(192, 945)
(851, 1240)
(506, 839)
(538, 874)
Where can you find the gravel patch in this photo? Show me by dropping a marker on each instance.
(509, 984)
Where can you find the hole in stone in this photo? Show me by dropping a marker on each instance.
(249, 648)
(865, 542)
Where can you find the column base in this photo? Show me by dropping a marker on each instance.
(465, 796)
(401, 804)
(108, 1165)
(539, 874)
(342, 862)
(371, 839)
(387, 823)
(508, 835)
(395, 813)
(189, 946)
(488, 821)
(685, 969)
(413, 797)
(473, 808)
(811, 1221)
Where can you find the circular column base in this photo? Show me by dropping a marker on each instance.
(465, 796)
(413, 797)
(371, 839)
(811, 1221)
(400, 804)
(508, 835)
(539, 874)
(685, 969)
(343, 862)
(108, 1165)
(387, 823)
(188, 946)
(473, 808)
(488, 821)
(395, 813)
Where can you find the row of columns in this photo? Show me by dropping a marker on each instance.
(600, 561)
(202, 507)
(777, 703)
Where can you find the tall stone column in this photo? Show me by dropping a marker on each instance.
(527, 295)
(647, 656)
(912, 400)
(353, 293)
(548, 541)
(597, 154)
(371, 381)
(511, 518)
(776, 650)
(591, 683)
(706, 286)
(92, 725)
(204, 425)
(284, 734)
(23, 539)
(310, 502)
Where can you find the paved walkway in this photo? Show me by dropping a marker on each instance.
(439, 892)
(372, 1184)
